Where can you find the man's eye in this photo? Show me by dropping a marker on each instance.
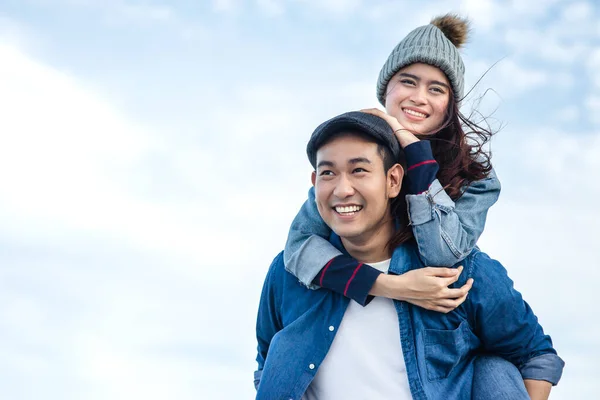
(326, 173)
(358, 170)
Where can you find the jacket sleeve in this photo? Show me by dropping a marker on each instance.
(447, 231)
(307, 249)
(268, 321)
(506, 324)
(311, 258)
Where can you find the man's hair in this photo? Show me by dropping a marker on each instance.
(398, 207)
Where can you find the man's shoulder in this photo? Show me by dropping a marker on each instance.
(483, 268)
(277, 267)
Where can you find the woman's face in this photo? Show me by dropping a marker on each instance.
(418, 97)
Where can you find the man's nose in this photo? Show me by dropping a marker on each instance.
(344, 188)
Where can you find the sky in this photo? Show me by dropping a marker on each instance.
(152, 158)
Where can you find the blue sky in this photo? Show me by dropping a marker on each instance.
(152, 157)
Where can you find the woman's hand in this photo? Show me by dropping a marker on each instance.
(424, 287)
(404, 136)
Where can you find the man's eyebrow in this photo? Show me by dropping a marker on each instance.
(359, 160)
(418, 79)
(325, 164)
(355, 160)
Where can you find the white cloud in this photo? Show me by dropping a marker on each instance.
(593, 67)
(507, 78)
(592, 104)
(225, 6)
(532, 42)
(334, 7)
(576, 13)
(485, 15)
(568, 114)
(532, 11)
(271, 7)
(143, 12)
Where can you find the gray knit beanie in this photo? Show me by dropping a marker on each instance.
(434, 44)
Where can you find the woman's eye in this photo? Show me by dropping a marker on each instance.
(407, 82)
(437, 89)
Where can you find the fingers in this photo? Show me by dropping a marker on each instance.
(373, 111)
(448, 300)
(444, 310)
(454, 293)
(444, 272)
(446, 305)
(451, 303)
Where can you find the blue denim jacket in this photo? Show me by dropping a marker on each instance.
(294, 332)
(445, 231)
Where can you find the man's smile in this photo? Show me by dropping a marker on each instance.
(347, 210)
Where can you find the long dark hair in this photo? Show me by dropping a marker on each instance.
(458, 147)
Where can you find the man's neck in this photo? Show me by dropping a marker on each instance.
(372, 246)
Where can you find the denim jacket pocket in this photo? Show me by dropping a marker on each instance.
(443, 350)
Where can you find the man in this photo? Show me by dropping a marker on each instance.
(319, 345)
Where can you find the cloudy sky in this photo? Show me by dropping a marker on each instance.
(152, 158)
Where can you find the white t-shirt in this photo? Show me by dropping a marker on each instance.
(365, 360)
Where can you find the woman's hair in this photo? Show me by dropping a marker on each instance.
(458, 147)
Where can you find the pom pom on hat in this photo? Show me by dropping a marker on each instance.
(454, 28)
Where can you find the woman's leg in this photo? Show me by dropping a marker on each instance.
(497, 379)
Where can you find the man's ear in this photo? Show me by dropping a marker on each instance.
(313, 177)
(394, 180)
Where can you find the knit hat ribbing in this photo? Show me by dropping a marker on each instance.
(434, 44)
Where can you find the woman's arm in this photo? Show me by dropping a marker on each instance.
(317, 263)
(446, 231)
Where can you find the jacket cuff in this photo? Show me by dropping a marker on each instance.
(362, 284)
(421, 206)
(547, 367)
(308, 261)
(257, 376)
(346, 276)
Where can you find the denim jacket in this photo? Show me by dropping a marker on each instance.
(445, 230)
(296, 326)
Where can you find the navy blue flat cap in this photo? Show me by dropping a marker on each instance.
(354, 121)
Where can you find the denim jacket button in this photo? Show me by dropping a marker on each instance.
(331, 328)
(311, 366)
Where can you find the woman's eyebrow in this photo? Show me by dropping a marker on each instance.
(418, 79)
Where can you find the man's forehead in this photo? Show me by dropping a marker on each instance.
(347, 150)
(347, 142)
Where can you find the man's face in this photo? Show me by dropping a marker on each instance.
(352, 189)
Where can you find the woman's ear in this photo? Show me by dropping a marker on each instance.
(394, 180)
